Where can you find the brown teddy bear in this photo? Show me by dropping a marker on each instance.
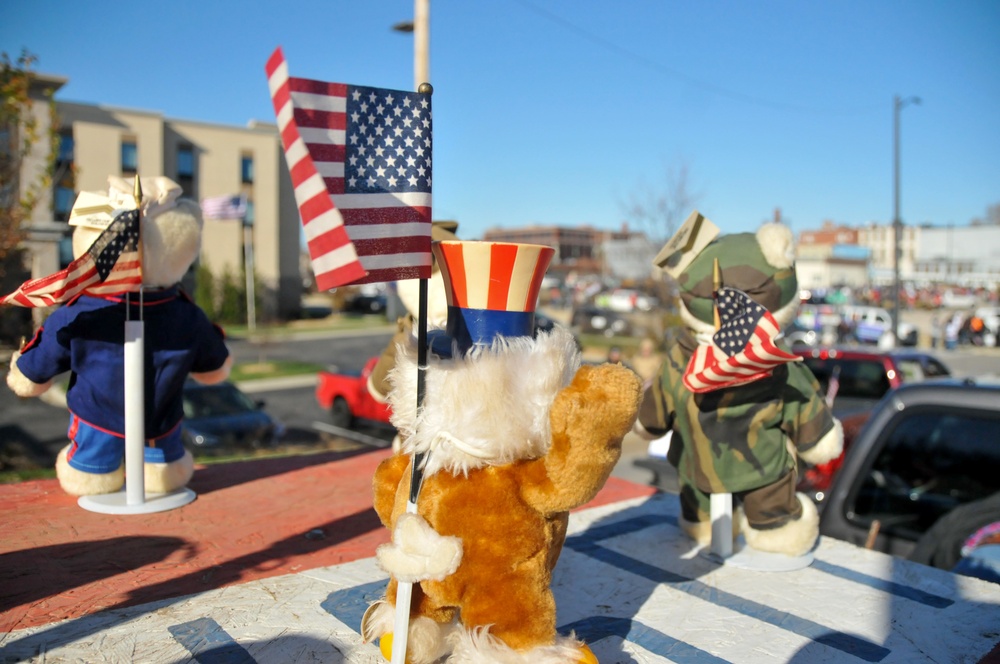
(86, 338)
(513, 434)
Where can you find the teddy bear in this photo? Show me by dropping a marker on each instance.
(738, 427)
(85, 337)
(409, 295)
(512, 434)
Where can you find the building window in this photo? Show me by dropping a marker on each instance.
(63, 179)
(185, 170)
(65, 251)
(246, 169)
(66, 147)
(62, 202)
(130, 157)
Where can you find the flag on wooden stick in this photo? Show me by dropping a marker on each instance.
(111, 265)
(743, 349)
(360, 160)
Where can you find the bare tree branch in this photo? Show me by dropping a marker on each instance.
(658, 209)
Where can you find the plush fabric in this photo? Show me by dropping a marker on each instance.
(515, 436)
(746, 439)
(85, 337)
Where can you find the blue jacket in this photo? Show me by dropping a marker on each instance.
(87, 335)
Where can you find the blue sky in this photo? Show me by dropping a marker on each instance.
(557, 112)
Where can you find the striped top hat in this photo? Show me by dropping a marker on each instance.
(492, 289)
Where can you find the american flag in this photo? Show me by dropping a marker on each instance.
(742, 349)
(360, 160)
(111, 265)
(224, 207)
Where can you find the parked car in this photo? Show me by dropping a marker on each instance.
(346, 397)
(923, 475)
(796, 335)
(365, 303)
(854, 380)
(869, 325)
(222, 416)
(591, 319)
(625, 300)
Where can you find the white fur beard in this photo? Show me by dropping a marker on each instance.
(490, 407)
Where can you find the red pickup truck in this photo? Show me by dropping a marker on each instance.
(347, 398)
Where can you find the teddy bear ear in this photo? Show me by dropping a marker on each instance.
(171, 241)
(777, 244)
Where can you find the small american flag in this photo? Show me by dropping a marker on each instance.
(742, 349)
(224, 207)
(111, 265)
(360, 160)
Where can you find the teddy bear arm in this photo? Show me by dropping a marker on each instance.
(20, 384)
(818, 435)
(216, 376)
(589, 418)
(385, 484)
(829, 446)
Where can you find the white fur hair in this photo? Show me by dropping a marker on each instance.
(478, 646)
(794, 538)
(777, 244)
(171, 242)
(828, 448)
(426, 640)
(490, 407)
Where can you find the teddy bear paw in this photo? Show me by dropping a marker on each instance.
(417, 553)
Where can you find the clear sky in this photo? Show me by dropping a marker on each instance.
(559, 111)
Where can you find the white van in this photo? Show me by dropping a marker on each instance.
(872, 324)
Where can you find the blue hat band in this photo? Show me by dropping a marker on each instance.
(470, 327)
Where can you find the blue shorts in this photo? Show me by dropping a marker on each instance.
(95, 450)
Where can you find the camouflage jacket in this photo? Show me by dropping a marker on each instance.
(738, 438)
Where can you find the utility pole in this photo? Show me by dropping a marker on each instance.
(897, 223)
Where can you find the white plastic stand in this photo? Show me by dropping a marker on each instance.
(721, 513)
(117, 503)
(133, 499)
(725, 552)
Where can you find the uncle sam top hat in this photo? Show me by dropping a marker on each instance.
(492, 289)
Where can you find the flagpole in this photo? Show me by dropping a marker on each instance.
(720, 504)
(404, 589)
(249, 269)
(135, 397)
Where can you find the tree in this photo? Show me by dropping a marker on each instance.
(20, 134)
(658, 209)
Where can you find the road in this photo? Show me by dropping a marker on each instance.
(35, 430)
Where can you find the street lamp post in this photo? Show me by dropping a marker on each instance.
(420, 27)
(897, 223)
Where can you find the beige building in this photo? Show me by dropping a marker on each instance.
(206, 160)
(881, 240)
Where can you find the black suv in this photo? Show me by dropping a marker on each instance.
(923, 475)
